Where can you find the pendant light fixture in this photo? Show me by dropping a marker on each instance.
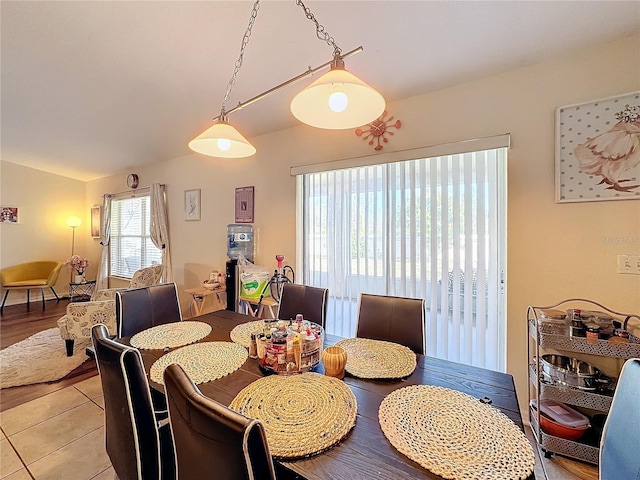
(337, 100)
(222, 139)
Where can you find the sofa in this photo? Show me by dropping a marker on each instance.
(81, 316)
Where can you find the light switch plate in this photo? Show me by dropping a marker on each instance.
(629, 264)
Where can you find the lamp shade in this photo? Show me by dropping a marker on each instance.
(222, 140)
(337, 100)
(74, 221)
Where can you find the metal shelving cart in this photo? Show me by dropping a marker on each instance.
(541, 340)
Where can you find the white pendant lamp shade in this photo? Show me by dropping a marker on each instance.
(222, 140)
(337, 100)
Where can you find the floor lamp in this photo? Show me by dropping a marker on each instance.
(73, 222)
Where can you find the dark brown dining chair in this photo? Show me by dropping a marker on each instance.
(211, 440)
(138, 439)
(311, 302)
(393, 319)
(140, 308)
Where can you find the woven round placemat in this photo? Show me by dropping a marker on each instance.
(302, 414)
(242, 333)
(454, 435)
(203, 362)
(377, 359)
(176, 334)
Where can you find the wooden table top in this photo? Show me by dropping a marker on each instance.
(365, 453)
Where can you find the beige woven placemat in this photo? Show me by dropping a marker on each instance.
(203, 362)
(454, 435)
(170, 335)
(242, 333)
(302, 414)
(377, 359)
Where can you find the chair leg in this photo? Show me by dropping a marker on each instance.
(6, 293)
(42, 290)
(54, 292)
(28, 297)
(69, 345)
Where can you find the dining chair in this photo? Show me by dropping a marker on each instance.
(393, 319)
(210, 437)
(619, 456)
(138, 439)
(311, 302)
(141, 308)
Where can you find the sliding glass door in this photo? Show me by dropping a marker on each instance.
(431, 228)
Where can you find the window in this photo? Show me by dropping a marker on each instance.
(429, 228)
(130, 247)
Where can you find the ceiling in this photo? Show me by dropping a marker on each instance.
(90, 89)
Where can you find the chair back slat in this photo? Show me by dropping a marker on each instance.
(132, 438)
(311, 302)
(393, 319)
(210, 437)
(141, 308)
(620, 443)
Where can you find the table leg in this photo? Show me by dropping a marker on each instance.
(197, 302)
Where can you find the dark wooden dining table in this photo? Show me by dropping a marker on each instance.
(365, 453)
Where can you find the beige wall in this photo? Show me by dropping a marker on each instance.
(44, 201)
(555, 251)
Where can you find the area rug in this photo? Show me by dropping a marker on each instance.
(40, 358)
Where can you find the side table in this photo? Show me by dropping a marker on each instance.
(81, 292)
(198, 297)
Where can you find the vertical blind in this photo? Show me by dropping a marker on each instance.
(429, 228)
(130, 246)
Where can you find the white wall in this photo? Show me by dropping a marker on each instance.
(44, 201)
(555, 251)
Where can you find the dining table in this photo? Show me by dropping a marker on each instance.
(365, 453)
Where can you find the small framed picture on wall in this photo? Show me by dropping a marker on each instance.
(244, 204)
(96, 221)
(192, 205)
(8, 214)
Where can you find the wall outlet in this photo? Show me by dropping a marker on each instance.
(629, 264)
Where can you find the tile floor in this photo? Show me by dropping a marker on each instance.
(41, 440)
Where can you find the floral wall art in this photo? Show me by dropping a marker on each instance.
(8, 214)
(598, 150)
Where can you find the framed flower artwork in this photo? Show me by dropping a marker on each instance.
(598, 150)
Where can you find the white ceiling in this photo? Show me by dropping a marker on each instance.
(94, 88)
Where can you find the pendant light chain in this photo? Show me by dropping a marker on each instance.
(245, 42)
(321, 33)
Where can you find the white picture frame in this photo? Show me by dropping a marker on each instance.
(590, 140)
(192, 205)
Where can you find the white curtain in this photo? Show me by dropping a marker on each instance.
(105, 237)
(160, 227)
(426, 228)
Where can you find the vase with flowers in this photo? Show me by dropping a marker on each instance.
(80, 265)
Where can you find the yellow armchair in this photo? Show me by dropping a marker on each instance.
(25, 276)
